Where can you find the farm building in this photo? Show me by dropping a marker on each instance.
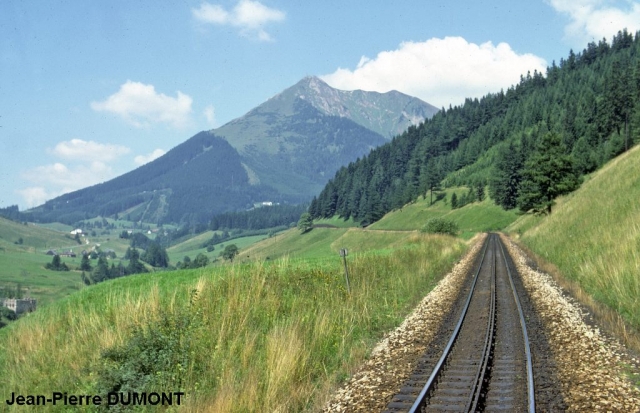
(20, 305)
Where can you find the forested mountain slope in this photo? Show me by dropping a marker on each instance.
(588, 105)
(193, 180)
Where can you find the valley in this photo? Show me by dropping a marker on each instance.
(280, 262)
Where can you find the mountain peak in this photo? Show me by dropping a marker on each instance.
(388, 113)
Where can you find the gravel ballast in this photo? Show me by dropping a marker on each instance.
(393, 359)
(579, 369)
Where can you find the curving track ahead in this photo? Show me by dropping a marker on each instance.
(486, 363)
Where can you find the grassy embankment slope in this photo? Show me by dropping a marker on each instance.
(384, 236)
(262, 336)
(471, 219)
(593, 236)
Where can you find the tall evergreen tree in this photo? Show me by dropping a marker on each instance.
(546, 175)
(480, 191)
(85, 264)
(505, 180)
(135, 266)
(101, 271)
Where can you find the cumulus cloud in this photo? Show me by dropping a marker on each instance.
(142, 106)
(439, 71)
(592, 20)
(249, 16)
(69, 178)
(210, 114)
(79, 149)
(143, 159)
(57, 178)
(86, 163)
(34, 196)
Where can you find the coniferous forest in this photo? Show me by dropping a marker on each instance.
(529, 143)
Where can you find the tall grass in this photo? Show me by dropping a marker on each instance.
(264, 337)
(593, 236)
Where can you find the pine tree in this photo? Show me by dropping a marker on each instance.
(547, 174)
(480, 191)
(100, 272)
(505, 180)
(135, 266)
(85, 264)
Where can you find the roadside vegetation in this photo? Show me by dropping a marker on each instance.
(262, 336)
(593, 237)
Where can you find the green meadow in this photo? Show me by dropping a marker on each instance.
(262, 336)
(23, 257)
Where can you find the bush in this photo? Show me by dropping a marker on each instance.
(156, 357)
(7, 313)
(440, 226)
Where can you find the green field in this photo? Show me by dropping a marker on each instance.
(261, 336)
(277, 330)
(23, 263)
(193, 246)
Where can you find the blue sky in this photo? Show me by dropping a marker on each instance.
(90, 89)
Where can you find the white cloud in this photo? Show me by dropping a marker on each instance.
(141, 105)
(210, 114)
(89, 150)
(56, 179)
(439, 71)
(86, 164)
(592, 20)
(34, 196)
(143, 159)
(249, 16)
(69, 179)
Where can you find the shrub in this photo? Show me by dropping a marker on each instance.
(440, 226)
(156, 357)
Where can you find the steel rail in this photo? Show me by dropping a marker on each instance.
(445, 354)
(487, 353)
(525, 336)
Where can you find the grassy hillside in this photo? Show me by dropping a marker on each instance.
(193, 246)
(593, 236)
(315, 244)
(33, 237)
(23, 262)
(271, 336)
(472, 218)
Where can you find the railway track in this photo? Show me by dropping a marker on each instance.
(486, 362)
